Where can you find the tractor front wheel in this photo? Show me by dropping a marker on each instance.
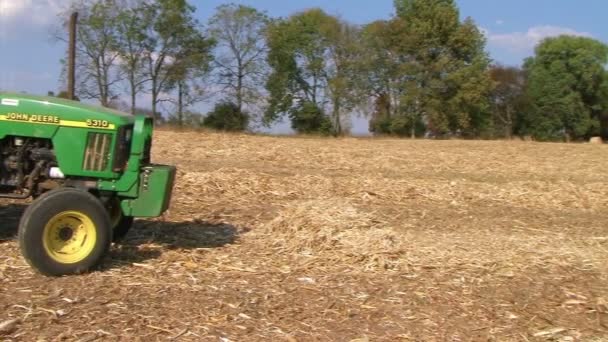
(121, 224)
(65, 231)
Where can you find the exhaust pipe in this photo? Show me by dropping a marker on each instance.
(72, 57)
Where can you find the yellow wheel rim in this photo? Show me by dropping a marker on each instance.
(69, 237)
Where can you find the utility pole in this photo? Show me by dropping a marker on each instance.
(72, 57)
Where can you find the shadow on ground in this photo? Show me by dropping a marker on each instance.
(147, 239)
(9, 220)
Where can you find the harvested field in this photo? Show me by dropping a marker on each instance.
(305, 239)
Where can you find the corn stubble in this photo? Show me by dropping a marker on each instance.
(300, 239)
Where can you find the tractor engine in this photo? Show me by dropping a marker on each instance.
(27, 167)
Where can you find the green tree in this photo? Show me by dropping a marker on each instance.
(311, 54)
(510, 105)
(566, 87)
(604, 114)
(438, 68)
(381, 66)
(343, 78)
(173, 30)
(226, 116)
(241, 51)
(308, 118)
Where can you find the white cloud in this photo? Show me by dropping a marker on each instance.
(524, 42)
(500, 22)
(10, 8)
(15, 15)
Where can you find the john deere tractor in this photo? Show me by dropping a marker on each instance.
(88, 171)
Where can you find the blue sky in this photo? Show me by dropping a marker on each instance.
(29, 59)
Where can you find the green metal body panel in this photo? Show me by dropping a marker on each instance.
(155, 190)
(68, 124)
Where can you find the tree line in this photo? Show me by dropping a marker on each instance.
(422, 72)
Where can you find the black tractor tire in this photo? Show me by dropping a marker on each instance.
(65, 231)
(121, 224)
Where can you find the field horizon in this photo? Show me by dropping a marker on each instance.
(350, 239)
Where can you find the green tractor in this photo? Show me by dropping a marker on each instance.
(89, 172)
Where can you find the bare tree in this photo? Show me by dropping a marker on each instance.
(132, 25)
(97, 57)
(241, 51)
(190, 69)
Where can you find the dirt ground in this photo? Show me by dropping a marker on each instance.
(305, 239)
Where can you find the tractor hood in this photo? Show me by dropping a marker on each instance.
(61, 112)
